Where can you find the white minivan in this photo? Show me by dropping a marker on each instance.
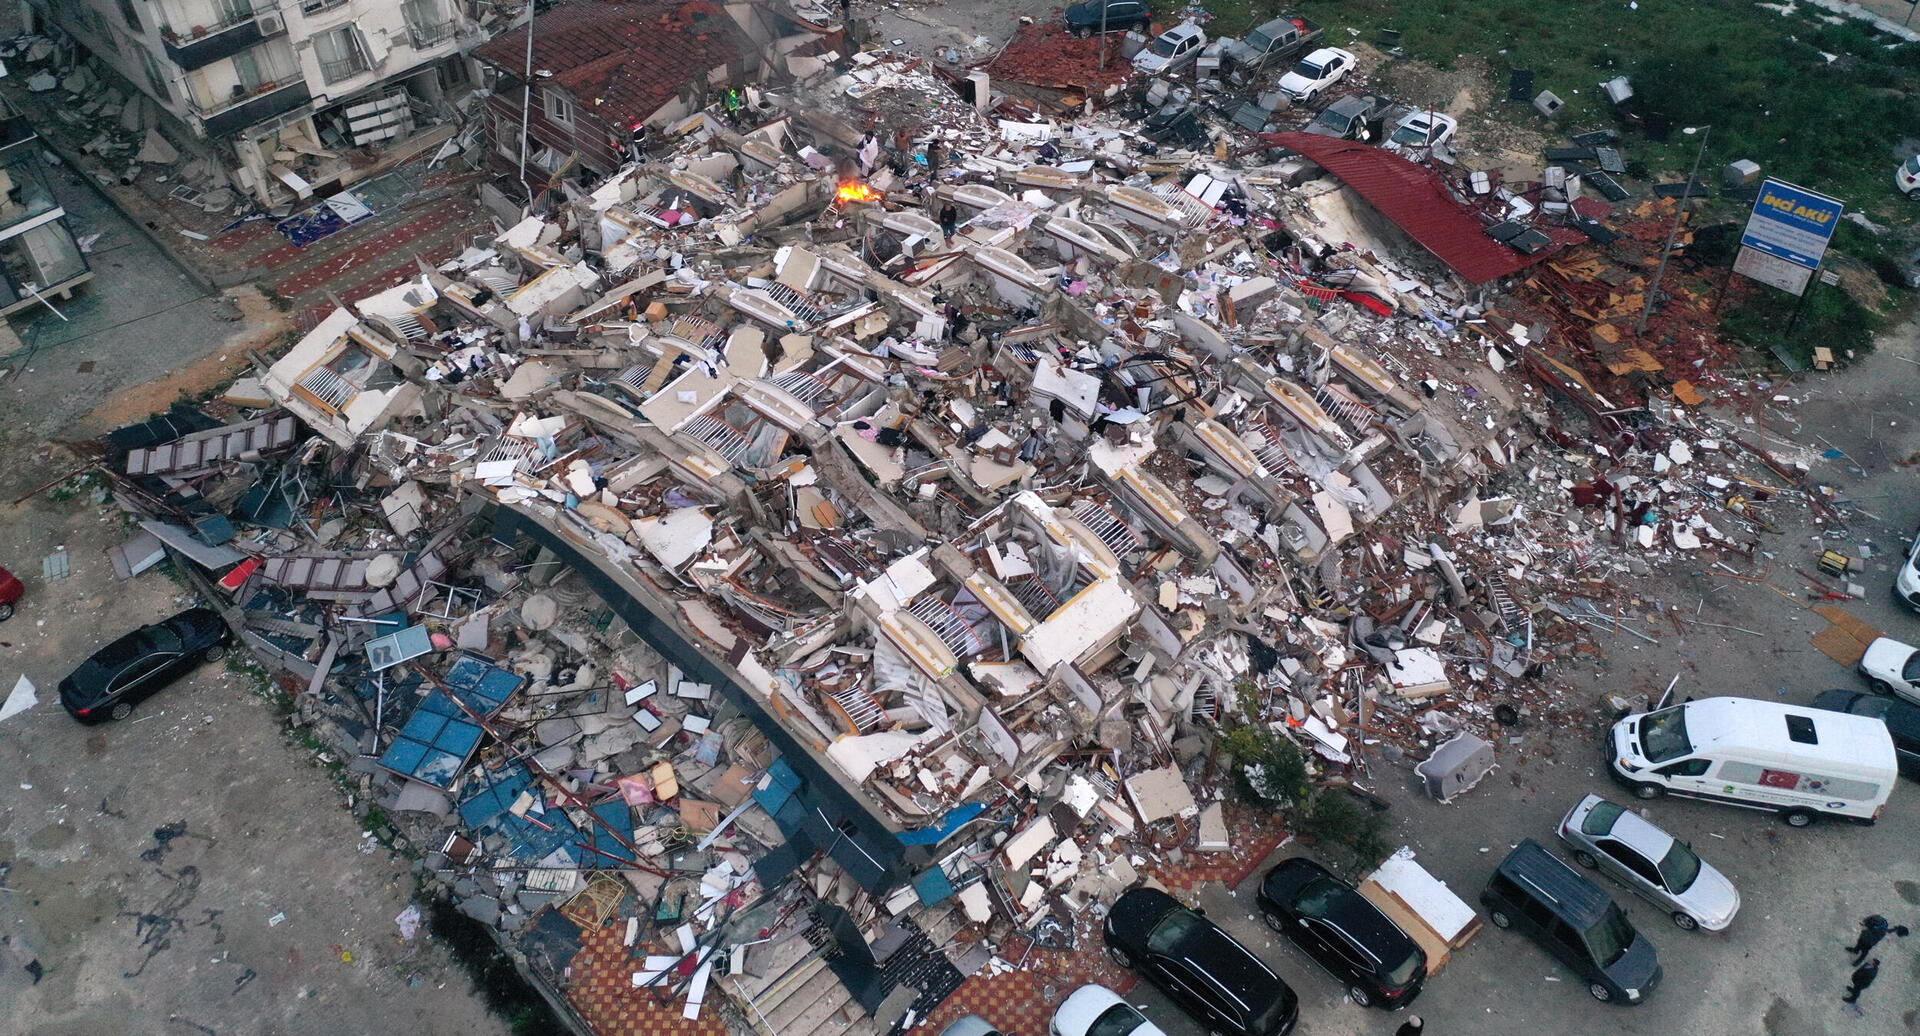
(1800, 762)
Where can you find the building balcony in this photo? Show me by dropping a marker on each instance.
(428, 36)
(224, 41)
(343, 69)
(263, 104)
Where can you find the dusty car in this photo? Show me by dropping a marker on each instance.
(1349, 118)
(1901, 717)
(1094, 1010)
(1906, 582)
(1084, 19)
(1171, 51)
(128, 671)
(1659, 867)
(1421, 129)
(1377, 962)
(1906, 176)
(1315, 72)
(1892, 667)
(11, 590)
(1194, 961)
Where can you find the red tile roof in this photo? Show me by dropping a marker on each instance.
(621, 59)
(1047, 54)
(1414, 197)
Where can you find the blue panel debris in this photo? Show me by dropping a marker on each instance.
(601, 847)
(483, 686)
(496, 791)
(434, 744)
(933, 887)
(781, 783)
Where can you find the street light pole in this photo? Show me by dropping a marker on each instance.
(1103, 35)
(526, 105)
(1653, 289)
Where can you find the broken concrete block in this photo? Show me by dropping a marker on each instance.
(1160, 794)
(1213, 830)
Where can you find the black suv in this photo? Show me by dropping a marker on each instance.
(1212, 977)
(1122, 15)
(128, 671)
(1336, 926)
(1538, 893)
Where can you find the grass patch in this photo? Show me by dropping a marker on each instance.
(507, 993)
(1829, 317)
(1762, 80)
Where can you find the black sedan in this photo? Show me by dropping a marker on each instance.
(128, 671)
(1213, 978)
(1121, 16)
(1336, 926)
(1901, 717)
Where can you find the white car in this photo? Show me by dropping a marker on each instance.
(1421, 129)
(1907, 177)
(1099, 1011)
(1651, 862)
(1171, 50)
(1316, 72)
(1892, 667)
(1907, 582)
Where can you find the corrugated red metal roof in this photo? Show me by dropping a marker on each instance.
(1414, 197)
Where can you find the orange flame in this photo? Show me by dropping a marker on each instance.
(854, 190)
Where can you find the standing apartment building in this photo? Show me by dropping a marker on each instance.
(281, 89)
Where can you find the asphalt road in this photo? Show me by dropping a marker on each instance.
(1780, 969)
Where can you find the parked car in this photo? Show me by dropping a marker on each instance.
(1094, 1010)
(1372, 957)
(1801, 763)
(1570, 917)
(1171, 51)
(1315, 72)
(1906, 176)
(1901, 717)
(1350, 118)
(1121, 16)
(1268, 44)
(1906, 582)
(128, 671)
(1421, 129)
(11, 590)
(1212, 977)
(1892, 667)
(1659, 867)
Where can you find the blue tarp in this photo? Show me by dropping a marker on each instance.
(953, 821)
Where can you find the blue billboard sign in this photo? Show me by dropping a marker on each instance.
(1792, 223)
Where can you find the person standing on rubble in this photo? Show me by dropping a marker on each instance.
(934, 149)
(949, 220)
(869, 153)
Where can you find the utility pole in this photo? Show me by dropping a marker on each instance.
(1653, 289)
(1103, 35)
(526, 105)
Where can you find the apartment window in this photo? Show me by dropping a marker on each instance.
(155, 76)
(316, 6)
(427, 23)
(246, 65)
(559, 106)
(132, 16)
(235, 11)
(339, 53)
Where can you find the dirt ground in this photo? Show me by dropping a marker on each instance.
(261, 907)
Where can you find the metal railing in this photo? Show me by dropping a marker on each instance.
(425, 36)
(344, 68)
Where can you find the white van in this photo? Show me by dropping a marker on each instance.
(1797, 761)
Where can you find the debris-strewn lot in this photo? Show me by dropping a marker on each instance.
(799, 572)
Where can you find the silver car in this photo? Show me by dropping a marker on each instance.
(1651, 862)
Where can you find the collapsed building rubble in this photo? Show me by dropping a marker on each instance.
(750, 554)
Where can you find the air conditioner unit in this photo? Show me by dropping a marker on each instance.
(271, 24)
